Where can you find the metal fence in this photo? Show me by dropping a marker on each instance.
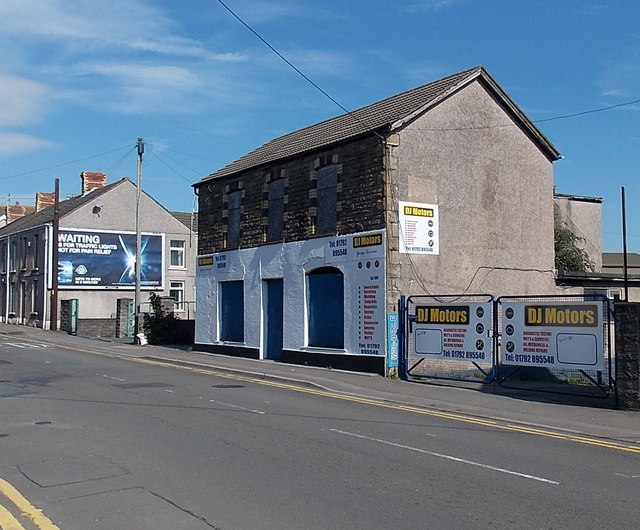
(548, 344)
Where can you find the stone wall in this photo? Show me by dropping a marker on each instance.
(628, 355)
(359, 205)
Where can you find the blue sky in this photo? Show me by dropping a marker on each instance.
(81, 80)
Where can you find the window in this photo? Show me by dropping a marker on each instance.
(233, 219)
(176, 291)
(34, 296)
(36, 252)
(327, 200)
(276, 210)
(326, 308)
(14, 255)
(3, 256)
(232, 311)
(23, 253)
(177, 253)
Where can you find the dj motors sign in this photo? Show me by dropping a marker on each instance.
(561, 335)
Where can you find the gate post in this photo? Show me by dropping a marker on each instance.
(402, 338)
(627, 377)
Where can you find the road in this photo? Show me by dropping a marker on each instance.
(101, 442)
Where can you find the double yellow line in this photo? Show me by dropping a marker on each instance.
(9, 522)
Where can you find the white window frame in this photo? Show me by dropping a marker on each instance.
(177, 287)
(178, 246)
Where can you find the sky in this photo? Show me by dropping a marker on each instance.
(81, 80)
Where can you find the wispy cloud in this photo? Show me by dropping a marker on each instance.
(22, 101)
(418, 6)
(12, 143)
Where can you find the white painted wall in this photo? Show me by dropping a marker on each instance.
(292, 261)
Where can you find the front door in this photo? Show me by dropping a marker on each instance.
(274, 319)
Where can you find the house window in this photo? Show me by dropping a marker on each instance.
(233, 219)
(327, 200)
(176, 291)
(232, 311)
(34, 296)
(177, 253)
(14, 255)
(276, 210)
(3, 256)
(326, 308)
(36, 252)
(23, 253)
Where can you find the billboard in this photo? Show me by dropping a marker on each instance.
(554, 335)
(91, 259)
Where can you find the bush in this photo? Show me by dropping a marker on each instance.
(159, 326)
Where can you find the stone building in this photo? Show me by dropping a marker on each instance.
(307, 242)
(95, 269)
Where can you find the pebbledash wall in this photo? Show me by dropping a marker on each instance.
(452, 178)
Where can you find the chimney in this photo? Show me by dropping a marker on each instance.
(43, 200)
(92, 180)
(15, 211)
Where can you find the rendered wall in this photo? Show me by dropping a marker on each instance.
(363, 270)
(494, 189)
(584, 219)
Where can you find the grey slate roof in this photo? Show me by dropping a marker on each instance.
(386, 115)
(188, 219)
(45, 215)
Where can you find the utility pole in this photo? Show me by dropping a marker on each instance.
(53, 326)
(137, 302)
(624, 247)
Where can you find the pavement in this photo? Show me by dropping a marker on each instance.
(540, 412)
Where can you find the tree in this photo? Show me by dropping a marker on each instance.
(570, 256)
(160, 325)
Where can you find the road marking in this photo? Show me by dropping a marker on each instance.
(8, 521)
(598, 442)
(111, 377)
(447, 457)
(27, 509)
(627, 476)
(25, 345)
(230, 405)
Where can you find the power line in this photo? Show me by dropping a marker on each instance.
(64, 163)
(601, 109)
(169, 167)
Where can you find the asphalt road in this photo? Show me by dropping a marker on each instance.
(97, 442)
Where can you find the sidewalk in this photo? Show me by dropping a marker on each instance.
(617, 425)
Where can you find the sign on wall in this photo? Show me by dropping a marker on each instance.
(365, 252)
(419, 228)
(106, 260)
(555, 335)
(454, 332)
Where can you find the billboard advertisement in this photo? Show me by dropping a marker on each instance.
(554, 335)
(91, 259)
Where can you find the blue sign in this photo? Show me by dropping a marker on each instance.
(392, 340)
(107, 260)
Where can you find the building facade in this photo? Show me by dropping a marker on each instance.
(307, 243)
(95, 270)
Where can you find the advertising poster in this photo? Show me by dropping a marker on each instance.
(106, 260)
(365, 254)
(454, 332)
(554, 335)
(419, 228)
(393, 347)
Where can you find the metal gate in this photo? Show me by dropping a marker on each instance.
(448, 337)
(556, 344)
(553, 344)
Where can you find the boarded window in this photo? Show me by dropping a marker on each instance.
(232, 311)
(327, 200)
(233, 219)
(276, 210)
(326, 308)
